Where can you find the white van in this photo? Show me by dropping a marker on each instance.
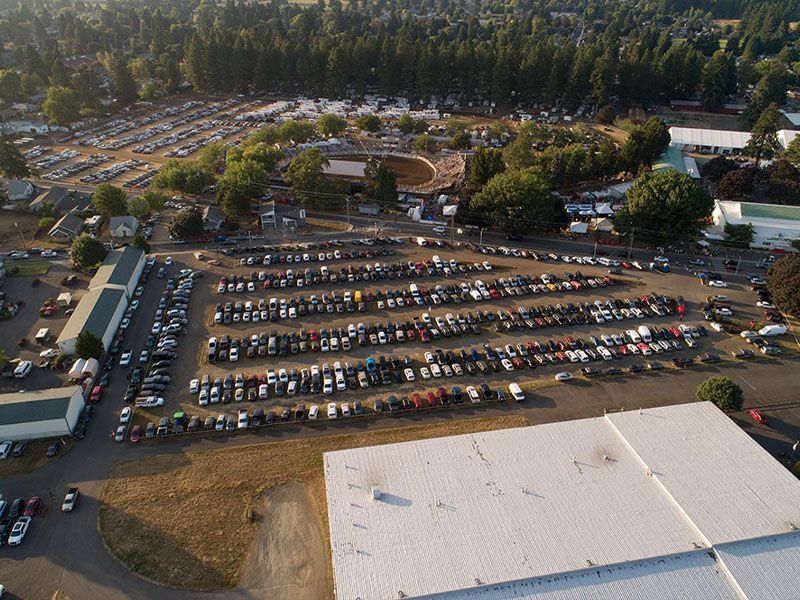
(421, 241)
(23, 369)
(437, 261)
(769, 330)
(634, 336)
(516, 392)
(644, 331)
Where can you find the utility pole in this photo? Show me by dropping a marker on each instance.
(738, 264)
(452, 228)
(594, 250)
(630, 247)
(22, 237)
(480, 241)
(347, 205)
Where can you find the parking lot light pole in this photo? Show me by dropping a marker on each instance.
(480, 241)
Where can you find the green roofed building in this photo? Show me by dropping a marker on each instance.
(121, 269)
(774, 225)
(99, 311)
(40, 413)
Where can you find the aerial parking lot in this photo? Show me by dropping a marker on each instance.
(255, 337)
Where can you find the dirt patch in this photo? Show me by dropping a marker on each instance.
(409, 171)
(288, 548)
(35, 457)
(185, 520)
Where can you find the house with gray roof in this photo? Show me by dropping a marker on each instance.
(66, 228)
(19, 190)
(56, 195)
(40, 413)
(124, 226)
(275, 214)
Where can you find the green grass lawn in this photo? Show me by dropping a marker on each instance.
(30, 267)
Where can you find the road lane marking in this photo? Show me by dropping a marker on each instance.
(748, 383)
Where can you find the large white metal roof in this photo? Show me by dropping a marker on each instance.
(542, 508)
(720, 138)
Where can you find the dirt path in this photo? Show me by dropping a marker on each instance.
(284, 560)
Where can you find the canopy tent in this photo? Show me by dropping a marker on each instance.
(578, 227)
(604, 209)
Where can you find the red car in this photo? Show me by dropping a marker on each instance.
(431, 398)
(97, 392)
(136, 433)
(758, 416)
(417, 401)
(31, 506)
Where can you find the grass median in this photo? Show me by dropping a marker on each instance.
(186, 520)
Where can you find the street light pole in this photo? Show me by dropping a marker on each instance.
(22, 237)
(630, 247)
(480, 241)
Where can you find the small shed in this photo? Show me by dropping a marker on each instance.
(64, 299)
(42, 335)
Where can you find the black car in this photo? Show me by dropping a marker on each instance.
(53, 449)
(16, 508)
(19, 449)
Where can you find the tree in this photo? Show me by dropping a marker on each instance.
(460, 141)
(210, 157)
(110, 200)
(123, 85)
(139, 241)
(485, 164)
(718, 167)
(606, 115)
(645, 144)
(425, 144)
(455, 126)
(520, 201)
(305, 172)
(723, 392)
(155, 200)
(763, 142)
(182, 176)
(86, 252)
(297, 132)
(265, 155)
(408, 124)
(187, 224)
(718, 79)
(783, 283)
(12, 163)
(736, 184)
(792, 152)
(138, 206)
(380, 182)
(371, 123)
(46, 223)
(663, 207)
(61, 106)
(771, 89)
(243, 181)
(10, 86)
(740, 236)
(88, 345)
(331, 125)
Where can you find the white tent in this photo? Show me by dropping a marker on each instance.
(604, 209)
(415, 213)
(449, 210)
(578, 227)
(602, 224)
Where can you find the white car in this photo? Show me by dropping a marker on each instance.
(439, 229)
(18, 531)
(125, 359)
(51, 353)
(120, 434)
(242, 421)
(765, 305)
(23, 369)
(333, 412)
(717, 283)
(49, 254)
(409, 373)
(507, 365)
(436, 370)
(125, 415)
(313, 412)
(169, 261)
(194, 386)
(716, 326)
(425, 373)
(473, 395)
(564, 376)
(5, 449)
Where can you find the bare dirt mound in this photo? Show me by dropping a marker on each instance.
(287, 558)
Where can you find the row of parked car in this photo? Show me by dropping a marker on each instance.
(113, 171)
(54, 159)
(16, 518)
(642, 341)
(225, 131)
(427, 328)
(90, 162)
(302, 255)
(346, 274)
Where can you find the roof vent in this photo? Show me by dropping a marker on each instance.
(792, 527)
(376, 492)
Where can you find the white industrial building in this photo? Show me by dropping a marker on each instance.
(774, 225)
(99, 311)
(121, 269)
(40, 413)
(718, 141)
(673, 502)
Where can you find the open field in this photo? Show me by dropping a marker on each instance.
(30, 267)
(191, 512)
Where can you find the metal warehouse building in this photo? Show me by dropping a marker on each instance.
(121, 269)
(40, 413)
(670, 503)
(99, 311)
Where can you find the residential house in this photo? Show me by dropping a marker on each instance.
(55, 196)
(213, 218)
(66, 228)
(19, 189)
(125, 226)
(274, 214)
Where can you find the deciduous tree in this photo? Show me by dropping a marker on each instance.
(187, 224)
(12, 163)
(61, 106)
(783, 282)
(110, 200)
(88, 345)
(86, 252)
(722, 391)
(331, 125)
